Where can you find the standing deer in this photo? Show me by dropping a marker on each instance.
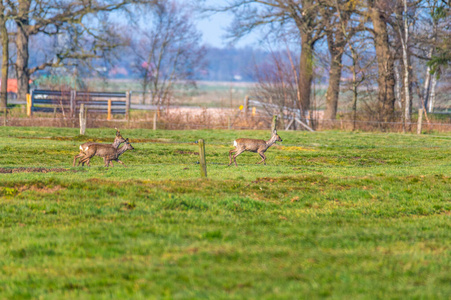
(253, 145)
(107, 152)
(118, 139)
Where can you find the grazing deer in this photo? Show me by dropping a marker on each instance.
(107, 152)
(118, 139)
(253, 145)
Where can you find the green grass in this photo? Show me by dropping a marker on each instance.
(333, 215)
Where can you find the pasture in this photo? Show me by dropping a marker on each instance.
(333, 214)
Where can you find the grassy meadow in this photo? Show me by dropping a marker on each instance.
(333, 214)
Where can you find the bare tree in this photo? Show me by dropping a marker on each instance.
(433, 35)
(80, 20)
(297, 18)
(5, 56)
(401, 23)
(167, 51)
(361, 68)
(336, 41)
(442, 57)
(278, 85)
(342, 23)
(417, 29)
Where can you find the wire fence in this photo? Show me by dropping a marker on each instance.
(231, 122)
(212, 153)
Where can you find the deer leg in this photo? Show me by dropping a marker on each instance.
(81, 154)
(106, 162)
(237, 153)
(84, 160)
(263, 158)
(230, 156)
(88, 163)
(83, 163)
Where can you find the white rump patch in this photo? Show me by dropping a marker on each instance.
(235, 144)
(84, 149)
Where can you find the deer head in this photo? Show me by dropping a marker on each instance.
(118, 139)
(128, 146)
(118, 132)
(275, 137)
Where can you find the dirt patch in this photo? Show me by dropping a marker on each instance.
(128, 205)
(181, 152)
(45, 189)
(36, 170)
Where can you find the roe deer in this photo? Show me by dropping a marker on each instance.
(253, 145)
(118, 139)
(107, 152)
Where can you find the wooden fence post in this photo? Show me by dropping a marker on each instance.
(155, 121)
(304, 125)
(420, 120)
(128, 95)
(109, 110)
(202, 161)
(246, 105)
(83, 117)
(72, 104)
(289, 124)
(28, 105)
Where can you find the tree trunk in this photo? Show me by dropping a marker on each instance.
(305, 73)
(385, 80)
(407, 67)
(432, 94)
(355, 85)
(23, 76)
(407, 88)
(336, 41)
(333, 90)
(427, 85)
(397, 86)
(5, 56)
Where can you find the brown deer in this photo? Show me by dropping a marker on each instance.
(118, 139)
(107, 152)
(253, 145)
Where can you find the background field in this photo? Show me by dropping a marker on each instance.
(333, 214)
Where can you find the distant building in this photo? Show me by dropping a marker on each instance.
(12, 85)
(12, 88)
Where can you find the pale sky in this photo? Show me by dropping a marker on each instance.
(214, 29)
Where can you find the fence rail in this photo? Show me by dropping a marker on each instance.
(71, 101)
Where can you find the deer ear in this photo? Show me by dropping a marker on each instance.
(126, 140)
(117, 131)
(275, 131)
